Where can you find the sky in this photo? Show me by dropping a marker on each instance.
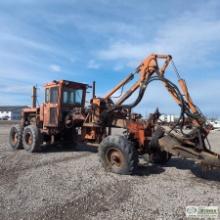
(105, 40)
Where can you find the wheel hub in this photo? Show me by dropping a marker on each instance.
(14, 137)
(115, 158)
(29, 138)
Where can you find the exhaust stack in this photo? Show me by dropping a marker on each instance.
(34, 97)
(94, 89)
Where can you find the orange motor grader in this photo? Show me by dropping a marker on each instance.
(64, 118)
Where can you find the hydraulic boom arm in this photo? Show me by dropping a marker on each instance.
(146, 70)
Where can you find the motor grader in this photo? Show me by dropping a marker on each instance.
(63, 117)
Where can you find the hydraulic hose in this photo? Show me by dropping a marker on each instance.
(183, 105)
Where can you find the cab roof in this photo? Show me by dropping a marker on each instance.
(65, 82)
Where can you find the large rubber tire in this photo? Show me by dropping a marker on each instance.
(31, 138)
(118, 155)
(15, 137)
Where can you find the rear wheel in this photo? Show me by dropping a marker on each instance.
(15, 137)
(118, 155)
(32, 138)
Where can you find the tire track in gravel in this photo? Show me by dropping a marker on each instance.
(10, 175)
(103, 198)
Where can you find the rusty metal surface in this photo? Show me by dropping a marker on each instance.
(204, 157)
(115, 158)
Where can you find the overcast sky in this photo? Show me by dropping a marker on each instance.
(104, 40)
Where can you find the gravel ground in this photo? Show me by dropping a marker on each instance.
(71, 184)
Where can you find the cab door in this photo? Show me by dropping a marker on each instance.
(51, 113)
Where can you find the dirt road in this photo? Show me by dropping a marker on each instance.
(71, 184)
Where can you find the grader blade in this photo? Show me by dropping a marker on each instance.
(204, 157)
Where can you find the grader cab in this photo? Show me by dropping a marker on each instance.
(61, 97)
(55, 119)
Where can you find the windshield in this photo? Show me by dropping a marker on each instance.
(72, 96)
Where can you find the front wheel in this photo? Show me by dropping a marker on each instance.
(32, 138)
(118, 155)
(15, 137)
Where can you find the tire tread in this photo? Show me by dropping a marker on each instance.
(126, 147)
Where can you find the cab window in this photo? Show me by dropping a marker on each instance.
(54, 95)
(72, 96)
(51, 95)
(47, 95)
